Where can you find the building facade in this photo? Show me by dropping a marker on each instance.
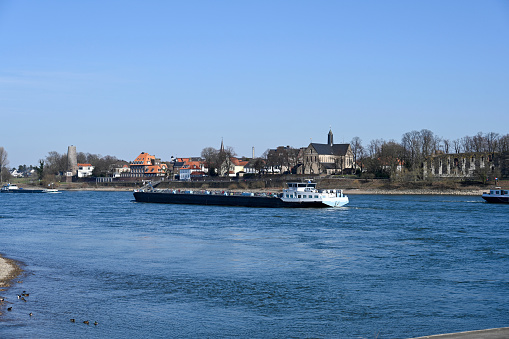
(328, 158)
(85, 170)
(146, 165)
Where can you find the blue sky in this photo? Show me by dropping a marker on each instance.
(172, 77)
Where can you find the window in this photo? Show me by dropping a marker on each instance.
(298, 196)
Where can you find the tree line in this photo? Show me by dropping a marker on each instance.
(379, 158)
(384, 158)
(56, 164)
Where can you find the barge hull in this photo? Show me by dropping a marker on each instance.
(221, 200)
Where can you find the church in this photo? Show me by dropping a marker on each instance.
(328, 158)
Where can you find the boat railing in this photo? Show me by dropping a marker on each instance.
(226, 193)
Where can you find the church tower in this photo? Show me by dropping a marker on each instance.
(330, 139)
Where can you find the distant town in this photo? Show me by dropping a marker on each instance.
(420, 155)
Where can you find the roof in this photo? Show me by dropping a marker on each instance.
(326, 149)
(84, 165)
(238, 162)
(144, 159)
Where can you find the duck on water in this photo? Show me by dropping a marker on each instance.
(297, 195)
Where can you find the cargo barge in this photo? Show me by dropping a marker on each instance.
(297, 195)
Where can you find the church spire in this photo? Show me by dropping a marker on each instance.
(222, 146)
(330, 139)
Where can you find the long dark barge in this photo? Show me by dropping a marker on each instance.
(297, 195)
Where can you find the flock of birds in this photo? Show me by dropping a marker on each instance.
(24, 295)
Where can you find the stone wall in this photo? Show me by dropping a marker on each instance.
(466, 164)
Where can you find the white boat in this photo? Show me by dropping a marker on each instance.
(497, 195)
(51, 190)
(13, 188)
(306, 193)
(9, 187)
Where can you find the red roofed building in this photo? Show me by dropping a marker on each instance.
(189, 168)
(146, 165)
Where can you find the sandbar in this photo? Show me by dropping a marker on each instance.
(9, 270)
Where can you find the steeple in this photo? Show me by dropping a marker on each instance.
(222, 146)
(330, 139)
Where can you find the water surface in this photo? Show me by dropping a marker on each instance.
(383, 266)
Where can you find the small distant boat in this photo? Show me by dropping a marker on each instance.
(497, 195)
(13, 188)
(51, 190)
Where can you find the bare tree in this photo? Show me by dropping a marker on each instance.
(210, 156)
(479, 143)
(374, 147)
(492, 141)
(447, 145)
(428, 142)
(503, 144)
(55, 163)
(457, 145)
(357, 149)
(391, 156)
(4, 162)
(412, 142)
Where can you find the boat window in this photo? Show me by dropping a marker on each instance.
(299, 196)
(316, 196)
(301, 185)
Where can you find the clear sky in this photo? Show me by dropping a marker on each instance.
(172, 77)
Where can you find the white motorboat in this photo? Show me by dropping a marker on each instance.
(497, 195)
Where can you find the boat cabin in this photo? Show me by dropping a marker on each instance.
(307, 191)
(499, 191)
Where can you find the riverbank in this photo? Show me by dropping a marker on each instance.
(9, 270)
(276, 184)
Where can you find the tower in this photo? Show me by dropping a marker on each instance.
(330, 139)
(72, 160)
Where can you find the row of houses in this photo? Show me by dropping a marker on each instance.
(316, 158)
(82, 171)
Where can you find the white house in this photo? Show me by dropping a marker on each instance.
(117, 172)
(16, 174)
(85, 170)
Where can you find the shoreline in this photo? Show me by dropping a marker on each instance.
(471, 191)
(352, 191)
(9, 270)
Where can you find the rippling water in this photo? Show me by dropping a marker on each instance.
(381, 267)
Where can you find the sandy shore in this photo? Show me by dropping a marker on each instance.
(9, 270)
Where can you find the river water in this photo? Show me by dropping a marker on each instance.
(381, 267)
